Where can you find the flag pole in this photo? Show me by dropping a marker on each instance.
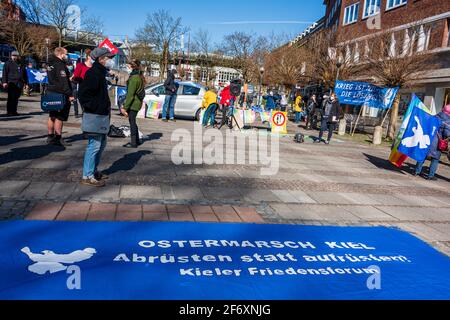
(357, 120)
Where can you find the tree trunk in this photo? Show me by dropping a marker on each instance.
(165, 63)
(394, 118)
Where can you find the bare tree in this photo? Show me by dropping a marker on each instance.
(325, 61)
(55, 13)
(286, 66)
(161, 30)
(397, 60)
(33, 10)
(203, 45)
(240, 45)
(16, 35)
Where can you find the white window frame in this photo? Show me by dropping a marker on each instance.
(395, 5)
(373, 4)
(352, 9)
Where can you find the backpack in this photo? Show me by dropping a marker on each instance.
(299, 138)
(115, 132)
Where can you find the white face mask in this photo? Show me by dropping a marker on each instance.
(109, 64)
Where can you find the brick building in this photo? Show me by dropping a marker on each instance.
(11, 10)
(420, 25)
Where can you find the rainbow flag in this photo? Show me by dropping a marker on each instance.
(249, 116)
(397, 158)
(153, 110)
(265, 116)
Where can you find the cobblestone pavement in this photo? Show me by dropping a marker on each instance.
(345, 184)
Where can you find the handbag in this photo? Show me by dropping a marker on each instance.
(95, 123)
(52, 101)
(442, 144)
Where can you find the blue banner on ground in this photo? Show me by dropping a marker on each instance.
(174, 261)
(365, 94)
(36, 76)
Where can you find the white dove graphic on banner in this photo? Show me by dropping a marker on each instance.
(418, 139)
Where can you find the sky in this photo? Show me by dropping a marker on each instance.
(259, 17)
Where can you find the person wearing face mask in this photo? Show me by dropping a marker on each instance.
(59, 82)
(14, 80)
(331, 113)
(95, 101)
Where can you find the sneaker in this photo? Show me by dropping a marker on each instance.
(173, 120)
(327, 142)
(92, 182)
(432, 178)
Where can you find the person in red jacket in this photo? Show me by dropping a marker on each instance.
(78, 77)
(226, 100)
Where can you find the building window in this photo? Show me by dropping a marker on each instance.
(351, 13)
(371, 8)
(391, 4)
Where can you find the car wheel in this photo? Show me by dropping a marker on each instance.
(197, 114)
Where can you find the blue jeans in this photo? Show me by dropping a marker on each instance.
(96, 146)
(210, 113)
(169, 102)
(298, 117)
(433, 167)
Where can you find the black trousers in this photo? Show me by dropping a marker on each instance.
(326, 126)
(132, 115)
(14, 93)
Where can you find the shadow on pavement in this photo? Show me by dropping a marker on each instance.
(6, 141)
(382, 163)
(153, 136)
(28, 153)
(127, 162)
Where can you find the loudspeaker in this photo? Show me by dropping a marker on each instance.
(235, 87)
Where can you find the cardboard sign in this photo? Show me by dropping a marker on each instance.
(109, 45)
(279, 122)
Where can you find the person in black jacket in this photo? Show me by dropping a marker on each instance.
(94, 99)
(331, 113)
(14, 80)
(59, 82)
(171, 96)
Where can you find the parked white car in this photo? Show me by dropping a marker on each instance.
(189, 98)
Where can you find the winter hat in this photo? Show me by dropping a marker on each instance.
(447, 109)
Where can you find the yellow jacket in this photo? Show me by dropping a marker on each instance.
(298, 102)
(209, 98)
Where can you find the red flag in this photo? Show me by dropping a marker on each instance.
(109, 45)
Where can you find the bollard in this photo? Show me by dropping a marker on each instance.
(377, 135)
(342, 127)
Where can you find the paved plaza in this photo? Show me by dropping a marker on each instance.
(346, 184)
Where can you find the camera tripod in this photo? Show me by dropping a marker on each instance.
(229, 118)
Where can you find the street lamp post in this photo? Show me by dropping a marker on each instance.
(261, 72)
(338, 66)
(47, 43)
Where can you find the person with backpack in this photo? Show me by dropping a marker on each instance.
(134, 100)
(439, 145)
